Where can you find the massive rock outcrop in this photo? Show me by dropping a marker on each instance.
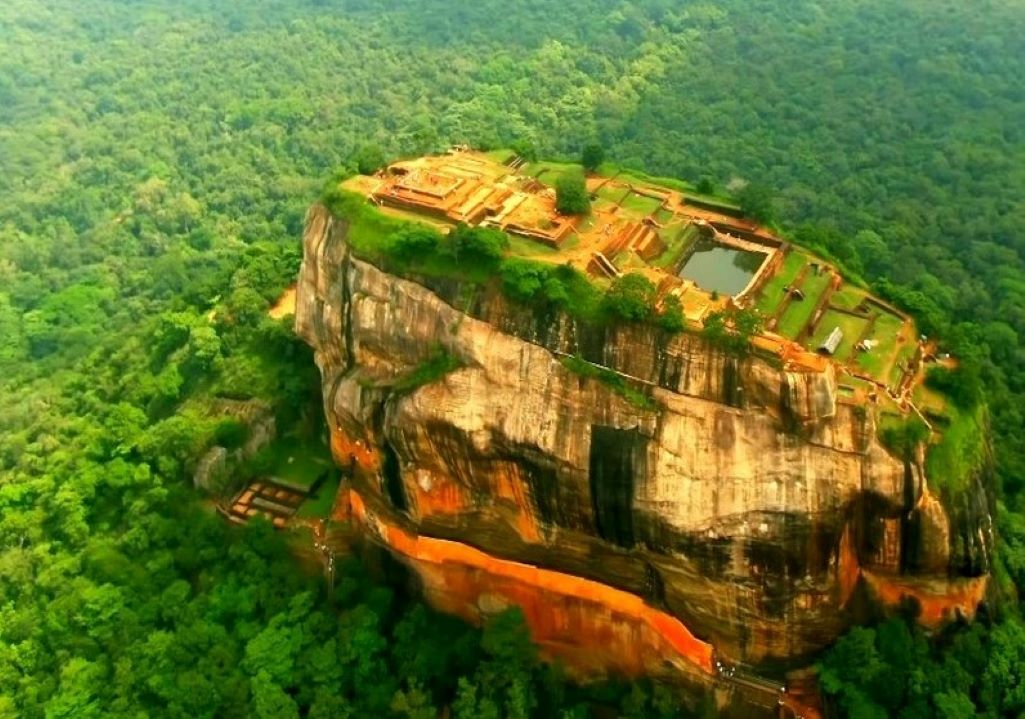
(741, 501)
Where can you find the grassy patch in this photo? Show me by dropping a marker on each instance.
(904, 355)
(585, 224)
(613, 194)
(628, 260)
(950, 462)
(929, 400)
(678, 240)
(800, 311)
(727, 205)
(318, 505)
(902, 435)
(525, 246)
(884, 333)
(548, 171)
(641, 204)
(772, 293)
(427, 372)
(687, 189)
(500, 156)
(663, 216)
(370, 232)
(300, 461)
(409, 215)
(368, 229)
(637, 177)
(851, 326)
(614, 380)
(848, 297)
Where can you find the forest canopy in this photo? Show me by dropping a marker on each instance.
(157, 160)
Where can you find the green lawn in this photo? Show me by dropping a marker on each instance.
(548, 171)
(929, 400)
(662, 216)
(613, 194)
(519, 245)
(318, 505)
(884, 333)
(772, 293)
(678, 240)
(500, 156)
(640, 204)
(800, 311)
(906, 352)
(852, 328)
(851, 384)
(950, 462)
(628, 260)
(637, 177)
(848, 296)
(297, 460)
(570, 243)
(687, 189)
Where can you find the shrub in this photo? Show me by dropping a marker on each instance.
(230, 433)
(571, 194)
(439, 364)
(630, 298)
(903, 436)
(527, 281)
(483, 244)
(963, 385)
(671, 319)
(369, 159)
(732, 330)
(592, 156)
(612, 379)
(413, 242)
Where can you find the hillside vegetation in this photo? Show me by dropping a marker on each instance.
(157, 157)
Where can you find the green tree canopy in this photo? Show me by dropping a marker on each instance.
(571, 196)
(631, 298)
(592, 156)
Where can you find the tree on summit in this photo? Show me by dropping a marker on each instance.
(592, 156)
(370, 159)
(571, 194)
(631, 297)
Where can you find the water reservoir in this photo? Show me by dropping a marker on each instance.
(718, 268)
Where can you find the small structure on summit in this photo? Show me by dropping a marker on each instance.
(832, 341)
(464, 187)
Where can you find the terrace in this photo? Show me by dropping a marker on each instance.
(295, 480)
(698, 249)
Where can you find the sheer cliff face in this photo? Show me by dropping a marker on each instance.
(745, 502)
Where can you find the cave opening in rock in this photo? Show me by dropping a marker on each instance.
(393, 485)
(544, 491)
(617, 458)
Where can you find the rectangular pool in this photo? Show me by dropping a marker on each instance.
(717, 268)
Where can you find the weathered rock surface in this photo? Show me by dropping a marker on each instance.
(728, 505)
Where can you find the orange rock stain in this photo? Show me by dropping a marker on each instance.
(348, 452)
(590, 623)
(443, 498)
(939, 603)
